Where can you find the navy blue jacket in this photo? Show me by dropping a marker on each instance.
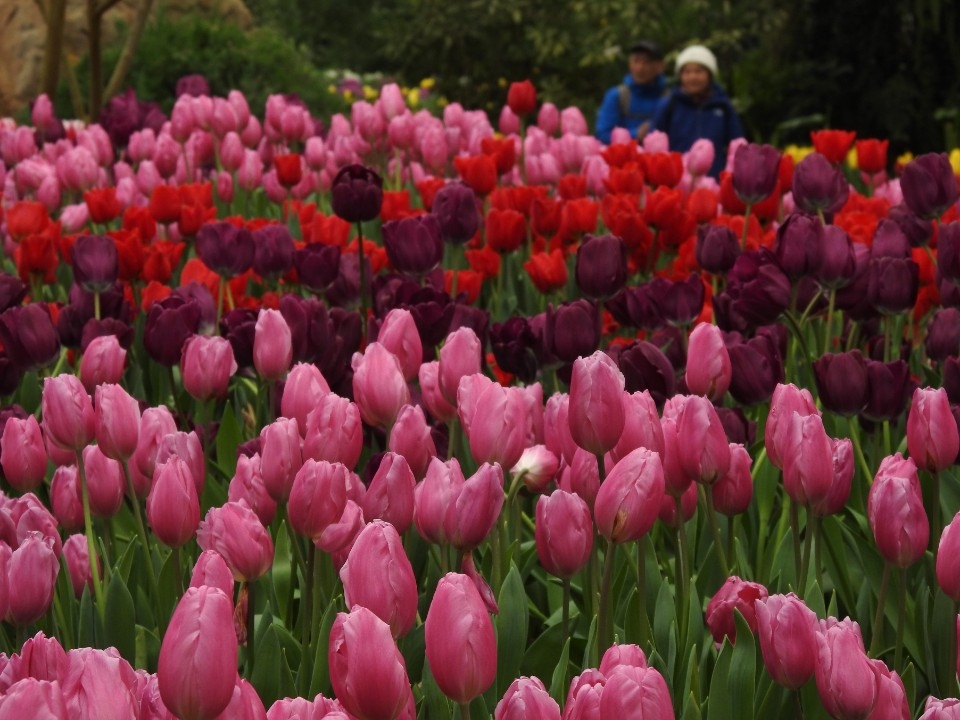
(643, 104)
(685, 122)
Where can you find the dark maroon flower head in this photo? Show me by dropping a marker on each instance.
(798, 244)
(125, 115)
(512, 343)
(572, 330)
(951, 379)
(842, 382)
(309, 325)
(414, 245)
(317, 265)
(852, 297)
(272, 251)
(929, 185)
(646, 367)
(893, 284)
(943, 334)
(737, 426)
(755, 171)
(917, 230)
(239, 327)
(95, 262)
(169, 323)
(12, 291)
(679, 301)
(107, 326)
(250, 447)
(208, 306)
(357, 193)
(225, 248)
(889, 240)
(819, 186)
(339, 339)
(888, 389)
(477, 319)
(10, 375)
(195, 85)
(757, 292)
(601, 268)
(643, 308)
(838, 260)
(948, 251)
(455, 207)
(717, 248)
(757, 366)
(29, 336)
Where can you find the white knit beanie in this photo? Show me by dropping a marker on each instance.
(700, 55)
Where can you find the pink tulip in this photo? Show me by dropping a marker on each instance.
(65, 498)
(317, 498)
(787, 630)
(247, 485)
(68, 417)
(806, 454)
(302, 391)
(399, 335)
(379, 388)
(734, 594)
(460, 643)
(548, 118)
(583, 697)
(563, 533)
(186, 446)
(618, 655)
(390, 495)
(493, 419)
(688, 507)
(32, 570)
(734, 491)
(641, 427)
(786, 400)
(556, 427)
(197, 668)
(34, 699)
(527, 698)
(102, 362)
(367, 671)
(708, 363)
(378, 576)
(333, 431)
(207, 365)
(411, 437)
(460, 357)
(581, 477)
(245, 704)
(843, 469)
(22, 454)
(536, 468)
(173, 508)
(633, 692)
(629, 498)
(117, 422)
(99, 684)
(338, 538)
(596, 413)
(105, 482)
(211, 569)
(948, 560)
(676, 481)
(34, 517)
(932, 436)
(234, 531)
(846, 678)
(5, 555)
(40, 658)
(699, 157)
(432, 398)
(704, 450)
(573, 122)
(250, 172)
(891, 696)
(280, 457)
(77, 558)
(936, 709)
(155, 423)
(475, 507)
(895, 511)
(272, 345)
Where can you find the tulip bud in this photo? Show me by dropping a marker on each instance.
(536, 467)
(77, 557)
(235, 532)
(102, 362)
(412, 438)
(896, 514)
(932, 436)
(493, 418)
(786, 400)
(460, 357)
(583, 697)
(197, 668)
(564, 533)
(187, 447)
(379, 388)
(734, 491)
(68, 417)
(211, 569)
(398, 334)
(173, 508)
(846, 678)
(704, 451)
(460, 643)
(807, 456)
(155, 424)
(207, 366)
(318, 497)
(105, 482)
(433, 400)
(601, 267)
(787, 630)
(304, 387)
(247, 485)
(596, 414)
(65, 498)
(631, 691)
(378, 576)
(280, 457)
(708, 363)
(272, 345)
(32, 570)
(527, 698)
(22, 453)
(629, 498)
(734, 594)
(117, 422)
(334, 432)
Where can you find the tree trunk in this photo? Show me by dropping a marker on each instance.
(54, 16)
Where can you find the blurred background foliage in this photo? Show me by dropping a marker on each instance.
(889, 69)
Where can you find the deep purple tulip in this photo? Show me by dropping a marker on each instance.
(512, 343)
(645, 367)
(643, 308)
(838, 260)
(755, 172)
(12, 291)
(929, 185)
(225, 248)
(29, 337)
(357, 194)
(572, 330)
(95, 262)
(169, 323)
(679, 301)
(317, 265)
(414, 245)
(888, 388)
(757, 369)
(818, 186)
(889, 240)
(601, 268)
(272, 251)
(798, 244)
(948, 251)
(757, 292)
(892, 284)
(917, 230)
(455, 207)
(239, 326)
(943, 335)
(842, 382)
(125, 114)
(717, 248)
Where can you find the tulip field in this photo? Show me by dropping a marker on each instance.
(404, 415)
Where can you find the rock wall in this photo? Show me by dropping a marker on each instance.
(23, 35)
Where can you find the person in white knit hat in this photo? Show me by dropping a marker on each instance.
(698, 107)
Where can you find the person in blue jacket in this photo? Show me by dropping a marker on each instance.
(698, 107)
(631, 104)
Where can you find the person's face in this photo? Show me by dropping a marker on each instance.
(644, 68)
(694, 79)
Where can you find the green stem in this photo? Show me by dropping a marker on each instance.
(936, 513)
(714, 529)
(178, 568)
(682, 579)
(858, 449)
(605, 615)
(464, 711)
(91, 544)
(878, 618)
(732, 542)
(795, 528)
(645, 639)
(828, 324)
(746, 225)
(251, 628)
(144, 540)
(96, 305)
(901, 617)
(811, 530)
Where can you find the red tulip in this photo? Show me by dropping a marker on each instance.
(197, 668)
(367, 671)
(22, 453)
(461, 646)
(563, 532)
(378, 576)
(833, 144)
(688, 506)
(629, 498)
(522, 98)
(234, 531)
(872, 155)
(173, 508)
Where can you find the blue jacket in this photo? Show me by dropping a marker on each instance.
(643, 103)
(685, 122)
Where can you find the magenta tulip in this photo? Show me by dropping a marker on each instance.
(173, 507)
(734, 491)
(334, 432)
(32, 570)
(155, 423)
(895, 511)
(65, 498)
(399, 335)
(438, 406)
(77, 559)
(280, 456)
(460, 356)
(379, 388)
(186, 446)
(556, 427)
(117, 422)
(948, 560)
(676, 481)
(493, 418)
(68, 418)
(411, 437)
(432, 497)
(633, 692)
(34, 699)
(846, 677)
(99, 684)
(318, 497)
(207, 365)
(629, 498)
(806, 454)
(461, 646)
(704, 450)
(211, 569)
(932, 436)
(527, 699)
(197, 668)
(40, 658)
(536, 468)
(891, 695)
(105, 482)
(247, 485)
(708, 362)
(474, 509)
(641, 427)
(563, 533)
(338, 538)
(596, 413)
(583, 696)
(272, 345)
(668, 514)
(936, 709)
(378, 576)
(786, 400)
(787, 630)
(390, 495)
(734, 594)
(22, 453)
(302, 391)
(234, 531)
(836, 498)
(367, 671)
(581, 476)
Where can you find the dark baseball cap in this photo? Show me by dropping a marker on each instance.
(647, 46)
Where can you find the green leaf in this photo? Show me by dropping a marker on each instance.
(512, 625)
(435, 703)
(229, 436)
(691, 709)
(320, 682)
(168, 587)
(89, 630)
(664, 618)
(267, 668)
(413, 647)
(541, 657)
(120, 632)
(281, 571)
(558, 683)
